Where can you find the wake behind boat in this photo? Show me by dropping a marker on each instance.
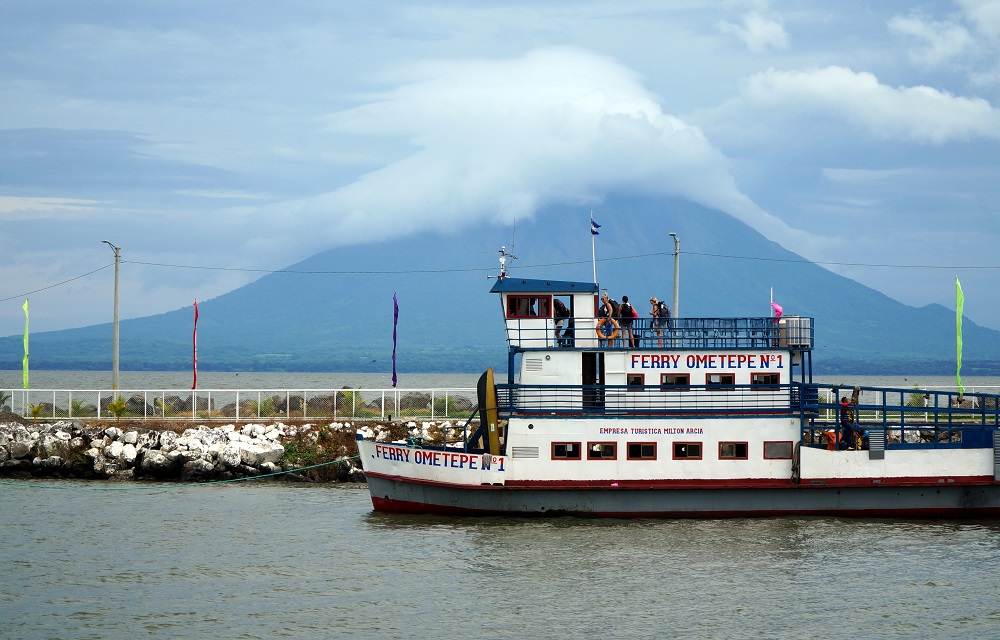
(695, 417)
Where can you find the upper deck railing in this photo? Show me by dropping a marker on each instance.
(675, 333)
(902, 418)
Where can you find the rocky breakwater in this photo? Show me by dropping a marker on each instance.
(76, 450)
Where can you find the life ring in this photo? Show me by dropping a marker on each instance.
(613, 335)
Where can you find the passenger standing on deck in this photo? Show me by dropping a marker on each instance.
(625, 317)
(848, 436)
(658, 321)
(608, 311)
(561, 314)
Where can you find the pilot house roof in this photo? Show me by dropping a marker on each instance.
(559, 287)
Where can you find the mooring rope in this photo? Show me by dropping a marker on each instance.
(177, 485)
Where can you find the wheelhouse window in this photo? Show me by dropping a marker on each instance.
(529, 306)
(636, 381)
(778, 450)
(721, 380)
(675, 382)
(642, 451)
(602, 451)
(565, 450)
(764, 381)
(732, 451)
(687, 451)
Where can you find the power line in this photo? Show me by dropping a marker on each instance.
(523, 266)
(58, 284)
(305, 272)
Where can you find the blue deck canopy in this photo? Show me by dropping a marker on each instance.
(528, 285)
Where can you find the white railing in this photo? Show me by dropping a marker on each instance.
(240, 405)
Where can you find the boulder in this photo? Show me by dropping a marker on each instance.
(156, 464)
(230, 455)
(128, 455)
(196, 469)
(114, 450)
(167, 439)
(19, 450)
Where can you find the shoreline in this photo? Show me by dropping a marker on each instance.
(186, 452)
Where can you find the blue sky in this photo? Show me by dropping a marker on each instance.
(250, 135)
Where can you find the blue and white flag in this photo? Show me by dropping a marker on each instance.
(594, 228)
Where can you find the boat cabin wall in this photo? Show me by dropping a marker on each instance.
(658, 368)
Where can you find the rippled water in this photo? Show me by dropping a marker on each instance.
(265, 560)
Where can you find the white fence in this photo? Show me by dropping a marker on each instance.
(240, 405)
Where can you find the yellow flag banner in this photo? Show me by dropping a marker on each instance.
(24, 363)
(959, 309)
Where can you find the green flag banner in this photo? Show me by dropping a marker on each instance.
(24, 363)
(959, 309)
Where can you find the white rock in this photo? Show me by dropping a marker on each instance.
(113, 432)
(154, 461)
(251, 455)
(167, 439)
(114, 450)
(128, 454)
(231, 455)
(131, 437)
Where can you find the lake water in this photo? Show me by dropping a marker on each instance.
(267, 560)
(262, 559)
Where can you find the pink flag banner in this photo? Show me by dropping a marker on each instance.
(777, 311)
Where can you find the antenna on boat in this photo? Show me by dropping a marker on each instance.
(503, 262)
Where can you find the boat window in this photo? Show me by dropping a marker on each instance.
(529, 306)
(721, 380)
(636, 381)
(642, 451)
(565, 450)
(602, 451)
(762, 379)
(732, 451)
(687, 451)
(778, 450)
(675, 382)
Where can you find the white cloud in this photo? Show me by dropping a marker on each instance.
(944, 40)
(16, 207)
(984, 14)
(912, 114)
(758, 33)
(497, 139)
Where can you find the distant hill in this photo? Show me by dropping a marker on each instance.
(333, 311)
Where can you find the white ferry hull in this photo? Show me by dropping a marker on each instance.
(952, 500)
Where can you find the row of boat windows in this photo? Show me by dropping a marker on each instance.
(678, 381)
(773, 450)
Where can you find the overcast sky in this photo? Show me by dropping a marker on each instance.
(250, 135)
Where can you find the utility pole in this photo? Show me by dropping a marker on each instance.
(114, 356)
(677, 266)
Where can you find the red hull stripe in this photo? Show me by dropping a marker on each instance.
(404, 506)
(760, 483)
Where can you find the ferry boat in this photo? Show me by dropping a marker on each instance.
(702, 417)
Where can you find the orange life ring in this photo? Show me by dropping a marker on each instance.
(613, 335)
